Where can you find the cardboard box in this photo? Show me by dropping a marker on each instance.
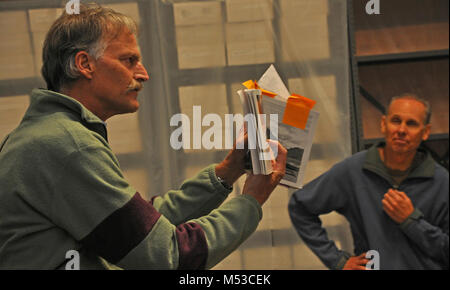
(192, 57)
(245, 53)
(200, 46)
(250, 43)
(249, 31)
(303, 8)
(12, 110)
(304, 40)
(124, 135)
(199, 35)
(249, 10)
(195, 13)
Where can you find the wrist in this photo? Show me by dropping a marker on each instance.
(227, 174)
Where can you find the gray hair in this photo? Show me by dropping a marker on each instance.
(87, 31)
(416, 98)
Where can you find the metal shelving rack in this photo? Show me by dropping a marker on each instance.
(361, 61)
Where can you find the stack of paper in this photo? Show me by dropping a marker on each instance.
(295, 121)
(256, 128)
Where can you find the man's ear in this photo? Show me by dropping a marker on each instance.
(85, 64)
(426, 132)
(383, 124)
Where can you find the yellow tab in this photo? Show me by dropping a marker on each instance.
(297, 111)
(251, 85)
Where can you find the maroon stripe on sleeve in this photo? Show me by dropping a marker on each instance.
(192, 246)
(123, 230)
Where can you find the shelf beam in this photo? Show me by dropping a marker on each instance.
(399, 57)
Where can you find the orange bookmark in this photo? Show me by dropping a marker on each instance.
(297, 111)
(252, 85)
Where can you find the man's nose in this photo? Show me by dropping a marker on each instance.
(402, 128)
(141, 73)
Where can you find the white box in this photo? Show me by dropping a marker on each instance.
(200, 46)
(249, 10)
(192, 57)
(245, 53)
(249, 31)
(250, 43)
(303, 8)
(304, 40)
(195, 13)
(199, 35)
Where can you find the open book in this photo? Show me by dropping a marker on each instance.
(270, 122)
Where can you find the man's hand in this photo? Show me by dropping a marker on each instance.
(261, 186)
(233, 166)
(397, 205)
(356, 263)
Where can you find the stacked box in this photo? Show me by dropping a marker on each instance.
(249, 10)
(200, 46)
(16, 58)
(197, 13)
(199, 34)
(304, 30)
(250, 43)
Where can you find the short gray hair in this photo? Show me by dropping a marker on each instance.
(72, 33)
(416, 98)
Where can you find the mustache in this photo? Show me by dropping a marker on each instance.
(135, 86)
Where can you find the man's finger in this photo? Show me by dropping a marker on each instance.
(387, 206)
(363, 255)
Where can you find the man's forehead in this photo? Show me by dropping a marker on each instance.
(406, 106)
(124, 41)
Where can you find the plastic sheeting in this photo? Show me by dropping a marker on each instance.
(198, 53)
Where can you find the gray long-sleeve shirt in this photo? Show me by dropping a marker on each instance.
(355, 188)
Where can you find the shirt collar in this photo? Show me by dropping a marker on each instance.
(45, 101)
(374, 163)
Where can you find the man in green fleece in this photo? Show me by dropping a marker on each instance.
(61, 188)
(394, 195)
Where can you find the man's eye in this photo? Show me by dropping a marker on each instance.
(412, 124)
(395, 121)
(130, 60)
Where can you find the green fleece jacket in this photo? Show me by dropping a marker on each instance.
(62, 189)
